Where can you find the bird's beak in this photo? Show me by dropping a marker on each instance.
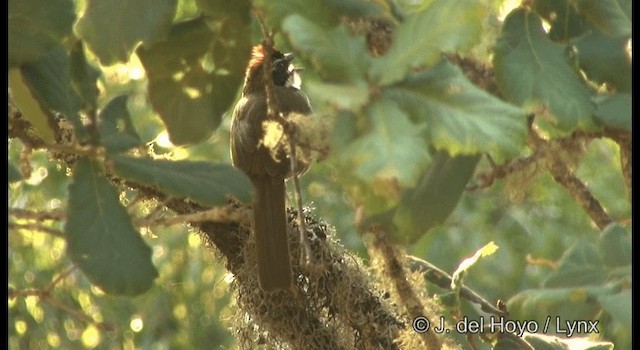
(289, 57)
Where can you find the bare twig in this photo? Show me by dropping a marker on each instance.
(20, 213)
(563, 175)
(216, 214)
(37, 227)
(443, 280)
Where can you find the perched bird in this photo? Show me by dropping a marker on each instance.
(266, 169)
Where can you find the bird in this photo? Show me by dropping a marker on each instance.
(267, 169)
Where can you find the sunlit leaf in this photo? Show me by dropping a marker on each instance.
(338, 96)
(532, 71)
(395, 148)
(460, 117)
(444, 26)
(116, 128)
(37, 26)
(195, 74)
(101, 239)
(202, 182)
(112, 29)
(29, 106)
(336, 54)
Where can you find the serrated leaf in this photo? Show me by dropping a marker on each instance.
(618, 306)
(194, 75)
(49, 80)
(116, 128)
(335, 54)
(460, 117)
(580, 265)
(605, 59)
(30, 107)
(532, 71)
(101, 239)
(205, 183)
(112, 29)
(393, 149)
(444, 26)
(606, 15)
(14, 173)
(431, 202)
(615, 246)
(37, 26)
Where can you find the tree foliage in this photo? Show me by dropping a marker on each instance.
(452, 124)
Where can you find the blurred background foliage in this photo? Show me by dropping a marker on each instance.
(533, 219)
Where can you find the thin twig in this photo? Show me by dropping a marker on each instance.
(563, 175)
(20, 213)
(37, 227)
(217, 214)
(443, 280)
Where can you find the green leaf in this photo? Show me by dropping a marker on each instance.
(319, 11)
(605, 59)
(14, 173)
(49, 80)
(336, 55)
(37, 26)
(606, 15)
(614, 110)
(338, 96)
(615, 246)
(532, 71)
(101, 239)
(618, 306)
(460, 117)
(444, 26)
(202, 182)
(580, 265)
(195, 73)
(112, 29)
(567, 303)
(546, 342)
(434, 199)
(29, 106)
(458, 276)
(565, 22)
(116, 128)
(394, 148)
(84, 77)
